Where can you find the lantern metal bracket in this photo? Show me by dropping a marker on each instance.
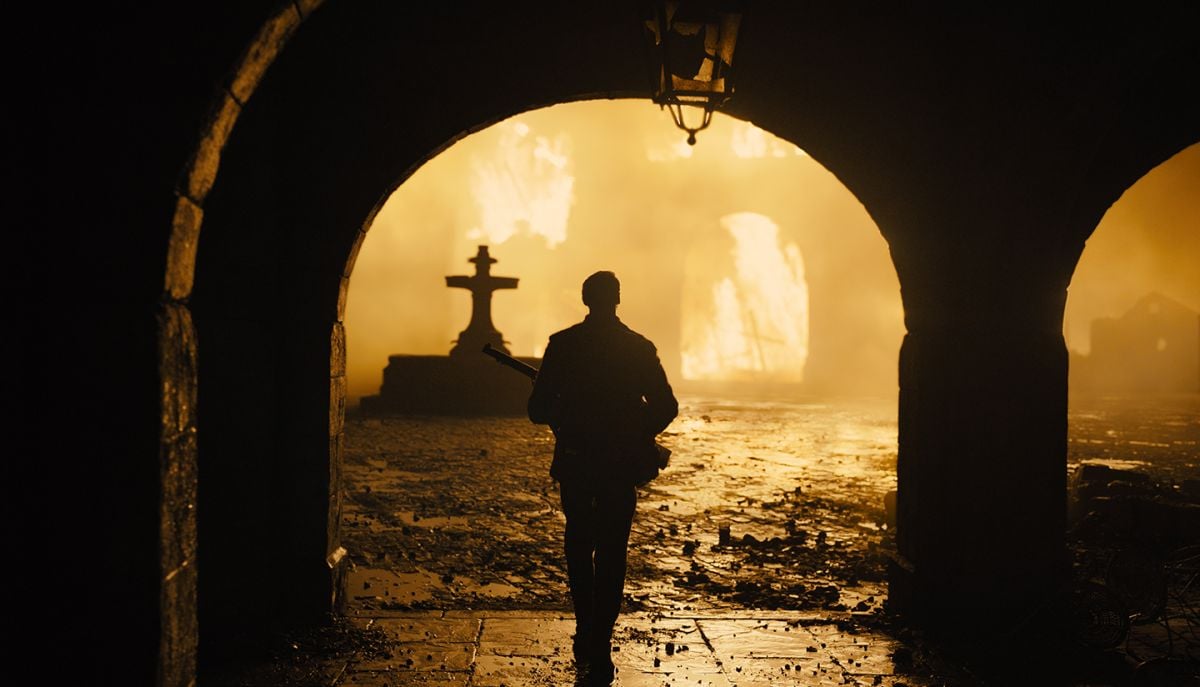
(691, 48)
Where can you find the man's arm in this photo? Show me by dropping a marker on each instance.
(661, 405)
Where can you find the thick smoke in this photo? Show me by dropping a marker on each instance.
(1149, 241)
(562, 192)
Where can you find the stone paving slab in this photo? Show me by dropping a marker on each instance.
(404, 679)
(834, 635)
(673, 680)
(537, 615)
(753, 672)
(533, 648)
(526, 636)
(516, 671)
(802, 617)
(663, 646)
(422, 656)
(872, 661)
(750, 638)
(420, 629)
(371, 614)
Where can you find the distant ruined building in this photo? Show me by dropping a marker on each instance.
(1154, 347)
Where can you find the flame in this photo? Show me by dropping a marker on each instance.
(755, 321)
(525, 186)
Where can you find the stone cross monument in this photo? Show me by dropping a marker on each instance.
(480, 330)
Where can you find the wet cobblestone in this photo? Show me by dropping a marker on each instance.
(756, 558)
(528, 648)
(443, 512)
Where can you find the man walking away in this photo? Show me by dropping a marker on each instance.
(602, 389)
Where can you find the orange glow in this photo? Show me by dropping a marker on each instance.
(1148, 241)
(1133, 307)
(755, 325)
(523, 185)
(742, 258)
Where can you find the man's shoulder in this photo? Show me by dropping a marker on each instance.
(585, 332)
(637, 339)
(568, 334)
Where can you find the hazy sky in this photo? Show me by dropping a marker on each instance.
(737, 256)
(742, 258)
(1148, 241)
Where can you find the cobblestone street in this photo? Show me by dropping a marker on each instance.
(756, 558)
(446, 512)
(532, 648)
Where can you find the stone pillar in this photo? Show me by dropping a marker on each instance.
(272, 407)
(177, 508)
(982, 460)
(308, 508)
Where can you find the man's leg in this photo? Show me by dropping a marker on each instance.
(579, 508)
(615, 508)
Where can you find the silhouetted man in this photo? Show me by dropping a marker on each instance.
(603, 391)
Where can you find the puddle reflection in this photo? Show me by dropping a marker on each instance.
(765, 505)
(797, 488)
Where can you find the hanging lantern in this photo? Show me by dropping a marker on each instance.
(692, 46)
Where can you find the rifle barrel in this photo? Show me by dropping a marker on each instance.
(504, 359)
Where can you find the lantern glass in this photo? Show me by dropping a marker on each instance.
(693, 43)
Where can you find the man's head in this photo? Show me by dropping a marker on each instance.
(602, 291)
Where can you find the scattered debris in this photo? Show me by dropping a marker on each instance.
(423, 504)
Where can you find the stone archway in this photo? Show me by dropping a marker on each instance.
(177, 351)
(983, 280)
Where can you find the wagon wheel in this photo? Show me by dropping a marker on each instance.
(1099, 618)
(1166, 672)
(1139, 580)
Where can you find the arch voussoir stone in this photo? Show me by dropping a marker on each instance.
(177, 354)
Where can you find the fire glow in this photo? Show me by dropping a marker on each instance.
(724, 250)
(756, 322)
(526, 185)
